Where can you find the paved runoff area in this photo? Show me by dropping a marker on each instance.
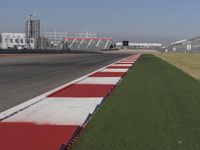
(52, 120)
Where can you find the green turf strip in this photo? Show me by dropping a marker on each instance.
(156, 107)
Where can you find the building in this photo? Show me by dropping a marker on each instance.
(15, 41)
(178, 46)
(12, 41)
(32, 32)
(191, 45)
(29, 40)
(138, 45)
(194, 43)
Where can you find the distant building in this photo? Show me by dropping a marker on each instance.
(194, 44)
(32, 32)
(178, 46)
(191, 45)
(12, 41)
(138, 45)
(15, 41)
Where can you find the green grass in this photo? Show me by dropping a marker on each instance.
(189, 63)
(156, 107)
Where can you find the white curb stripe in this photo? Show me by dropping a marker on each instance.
(114, 70)
(100, 80)
(123, 65)
(58, 111)
(126, 62)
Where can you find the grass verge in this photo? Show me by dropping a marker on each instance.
(156, 107)
(189, 63)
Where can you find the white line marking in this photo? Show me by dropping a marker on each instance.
(126, 62)
(114, 70)
(100, 80)
(123, 65)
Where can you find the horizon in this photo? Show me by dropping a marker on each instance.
(138, 20)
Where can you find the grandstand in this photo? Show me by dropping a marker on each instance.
(87, 42)
(190, 46)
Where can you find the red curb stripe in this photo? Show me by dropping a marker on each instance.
(27, 136)
(84, 90)
(108, 74)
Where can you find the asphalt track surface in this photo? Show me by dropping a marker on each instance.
(27, 76)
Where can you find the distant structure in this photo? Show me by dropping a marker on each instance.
(125, 44)
(87, 41)
(12, 41)
(185, 46)
(128, 45)
(32, 32)
(86, 35)
(33, 40)
(54, 40)
(177, 46)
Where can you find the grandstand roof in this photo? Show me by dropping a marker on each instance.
(194, 38)
(178, 42)
(71, 38)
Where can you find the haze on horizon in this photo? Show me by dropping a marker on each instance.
(133, 20)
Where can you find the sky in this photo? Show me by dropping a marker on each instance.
(162, 21)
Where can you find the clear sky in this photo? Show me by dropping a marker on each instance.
(135, 20)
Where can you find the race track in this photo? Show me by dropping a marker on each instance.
(27, 76)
